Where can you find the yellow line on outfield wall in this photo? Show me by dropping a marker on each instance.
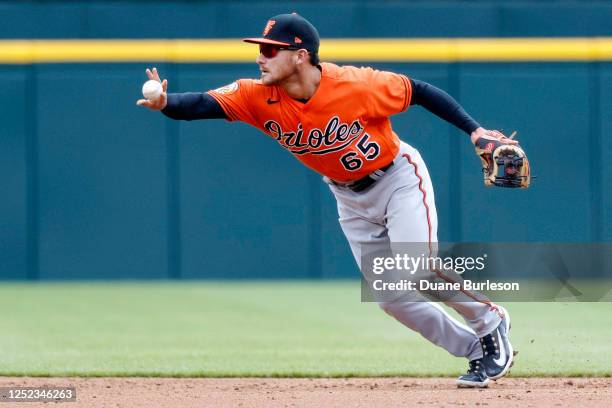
(234, 50)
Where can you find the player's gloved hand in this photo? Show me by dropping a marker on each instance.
(491, 135)
(504, 163)
(161, 102)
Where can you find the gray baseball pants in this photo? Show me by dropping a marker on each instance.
(400, 208)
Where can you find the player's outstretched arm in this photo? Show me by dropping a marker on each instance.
(182, 106)
(446, 107)
(192, 106)
(161, 102)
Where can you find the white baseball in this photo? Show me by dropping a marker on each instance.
(152, 90)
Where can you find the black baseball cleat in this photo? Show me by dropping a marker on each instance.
(475, 376)
(496, 348)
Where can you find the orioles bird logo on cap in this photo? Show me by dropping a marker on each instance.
(268, 27)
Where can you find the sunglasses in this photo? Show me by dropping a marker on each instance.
(271, 51)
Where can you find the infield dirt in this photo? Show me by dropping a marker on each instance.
(321, 392)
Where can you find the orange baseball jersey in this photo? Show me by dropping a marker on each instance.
(342, 132)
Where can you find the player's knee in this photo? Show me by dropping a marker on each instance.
(390, 308)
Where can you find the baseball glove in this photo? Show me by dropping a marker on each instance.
(503, 165)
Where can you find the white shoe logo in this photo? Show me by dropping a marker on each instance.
(502, 351)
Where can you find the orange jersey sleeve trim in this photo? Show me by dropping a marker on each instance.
(408, 85)
(224, 106)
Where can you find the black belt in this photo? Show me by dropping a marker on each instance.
(365, 182)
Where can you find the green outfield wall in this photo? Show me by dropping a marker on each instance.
(95, 187)
(334, 19)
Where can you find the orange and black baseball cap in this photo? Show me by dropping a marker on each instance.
(289, 30)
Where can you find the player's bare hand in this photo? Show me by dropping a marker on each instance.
(161, 102)
(492, 135)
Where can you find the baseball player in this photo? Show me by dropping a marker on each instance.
(335, 120)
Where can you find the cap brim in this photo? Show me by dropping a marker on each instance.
(265, 41)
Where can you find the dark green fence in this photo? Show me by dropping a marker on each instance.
(335, 18)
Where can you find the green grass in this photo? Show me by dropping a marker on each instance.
(263, 329)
